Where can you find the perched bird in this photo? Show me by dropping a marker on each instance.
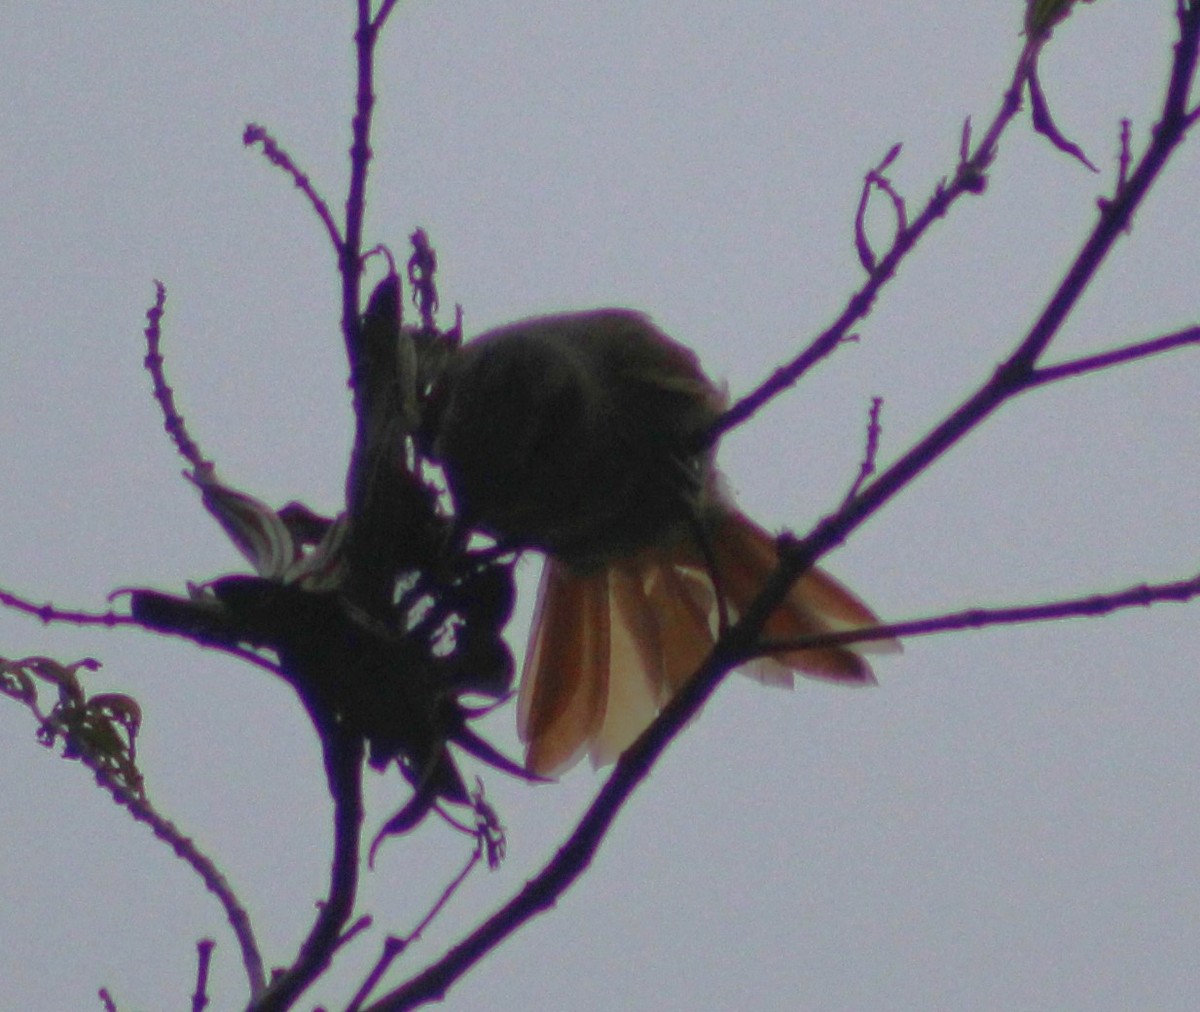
(582, 435)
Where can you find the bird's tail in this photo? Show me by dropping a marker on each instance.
(609, 648)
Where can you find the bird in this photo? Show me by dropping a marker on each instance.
(582, 435)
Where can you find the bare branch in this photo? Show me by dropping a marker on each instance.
(876, 180)
(1108, 359)
(48, 613)
(1183, 70)
(392, 947)
(1012, 377)
(1017, 372)
(871, 452)
(357, 928)
(385, 9)
(969, 178)
(209, 873)
(1091, 606)
(350, 266)
(100, 731)
(255, 134)
(172, 419)
(343, 766)
(442, 900)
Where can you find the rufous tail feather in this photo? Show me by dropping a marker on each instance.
(609, 649)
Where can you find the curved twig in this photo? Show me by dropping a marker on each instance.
(172, 419)
(276, 155)
(185, 848)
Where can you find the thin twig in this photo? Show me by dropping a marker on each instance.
(1105, 360)
(968, 179)
(448, 892)
(350, 266)
(1092, 606)
(204, 951)
(172, 419)
(357, 928)
(277, 156)
(862, 245)
(202, 865)
(385, 9)
(47, 612)
(392, 947)
(876, 180)
(871, 451)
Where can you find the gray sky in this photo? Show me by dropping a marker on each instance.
(1008, 821)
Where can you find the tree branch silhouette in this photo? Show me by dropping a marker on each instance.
(1108, 359)
(1089, 606)
(101, 731)
(1014, 376)
(343, 766)
(322, 581)
(969, 178)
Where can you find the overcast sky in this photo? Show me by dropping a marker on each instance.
(1009, 821)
